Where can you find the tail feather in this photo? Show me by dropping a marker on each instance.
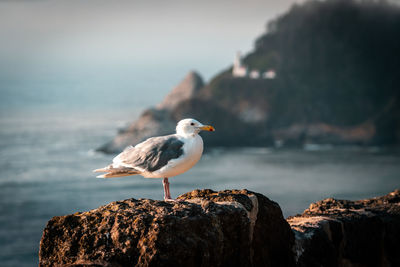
(116, 172)
(105, 169)
(101, 170)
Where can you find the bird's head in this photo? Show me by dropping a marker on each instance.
(188, 127)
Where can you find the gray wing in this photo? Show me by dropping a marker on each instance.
(152, 154)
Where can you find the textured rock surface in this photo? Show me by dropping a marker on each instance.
(349, 233)
(226, 228)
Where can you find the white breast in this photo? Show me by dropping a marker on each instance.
(192, 151)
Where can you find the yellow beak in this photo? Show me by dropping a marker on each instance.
(207, 128)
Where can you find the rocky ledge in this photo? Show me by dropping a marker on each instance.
(335, 232)
(226, 228)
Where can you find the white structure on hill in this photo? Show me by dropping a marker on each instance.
(239, 70)
(270, 74)
(254, 74)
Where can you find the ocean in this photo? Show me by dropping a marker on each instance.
(47, 157)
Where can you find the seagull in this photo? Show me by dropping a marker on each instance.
(161, 156)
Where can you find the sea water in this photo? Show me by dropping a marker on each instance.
(46, 159)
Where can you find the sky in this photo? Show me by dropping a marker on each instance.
(43, 34)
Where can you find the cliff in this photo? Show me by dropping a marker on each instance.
(226, 228)
(337, 82)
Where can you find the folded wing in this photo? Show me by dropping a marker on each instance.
(148, 156)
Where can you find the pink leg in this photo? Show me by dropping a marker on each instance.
(167, 194)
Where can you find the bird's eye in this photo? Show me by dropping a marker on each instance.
(192, 124)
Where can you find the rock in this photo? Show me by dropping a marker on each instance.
(156, 121)
(226, 228)
(349, 233)
(187, 89)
